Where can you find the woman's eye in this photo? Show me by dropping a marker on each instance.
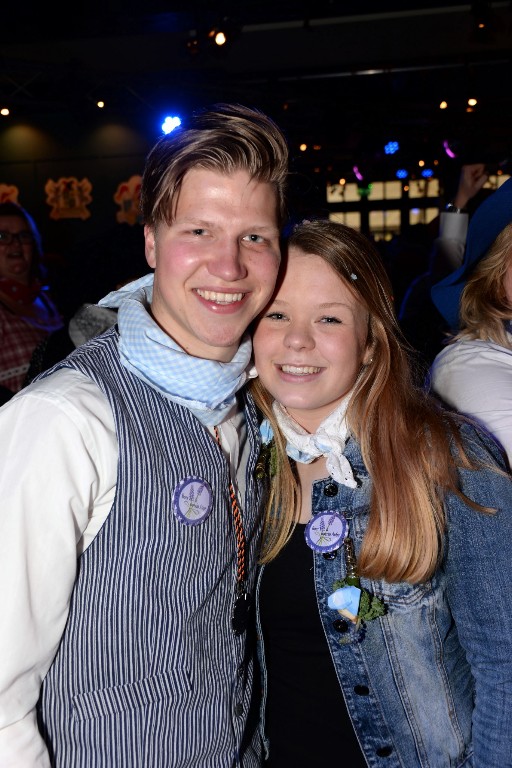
(254, 238)
(275, 316)
(198, 231)
(331, 320)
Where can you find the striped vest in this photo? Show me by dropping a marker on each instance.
(149, 672)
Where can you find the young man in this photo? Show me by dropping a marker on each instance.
(130, 514)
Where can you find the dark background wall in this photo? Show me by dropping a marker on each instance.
(342, 78)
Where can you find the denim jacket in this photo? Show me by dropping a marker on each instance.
(429, 684)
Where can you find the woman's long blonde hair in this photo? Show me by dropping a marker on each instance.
(483, 303)
(404, 435)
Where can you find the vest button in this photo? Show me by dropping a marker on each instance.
(331, 555)
(362, 690)
(340, 625)
(239, 709)
(331, 489)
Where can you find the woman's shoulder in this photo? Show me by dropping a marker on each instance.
(466, 349)
(478, 444)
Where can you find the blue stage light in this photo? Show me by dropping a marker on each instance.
(170, 123)
(391, 147)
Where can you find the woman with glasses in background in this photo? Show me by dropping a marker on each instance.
(27, 313)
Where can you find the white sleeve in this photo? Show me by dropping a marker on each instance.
(59, 459)
(448, 248)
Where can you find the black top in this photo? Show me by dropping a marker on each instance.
(306, 718)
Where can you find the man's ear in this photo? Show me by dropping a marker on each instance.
(149, 237)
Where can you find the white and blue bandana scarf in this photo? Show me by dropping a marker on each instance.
(328, 441)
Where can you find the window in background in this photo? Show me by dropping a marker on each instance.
(384, 224)
(349, 218)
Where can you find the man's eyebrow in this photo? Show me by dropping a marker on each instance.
(198, 222)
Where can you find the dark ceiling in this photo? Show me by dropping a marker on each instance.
(344, 78)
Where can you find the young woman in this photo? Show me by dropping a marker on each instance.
(474, 371)
(384, 601)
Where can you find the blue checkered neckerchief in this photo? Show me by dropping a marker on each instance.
(206, 387)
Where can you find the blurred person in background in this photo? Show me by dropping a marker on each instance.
(27, 312)
(420, 321)
(473, 373)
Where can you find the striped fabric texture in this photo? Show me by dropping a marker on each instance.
(149, 672)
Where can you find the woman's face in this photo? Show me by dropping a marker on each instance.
(16, 256)
(310, 343)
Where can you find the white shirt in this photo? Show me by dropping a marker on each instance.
(475, 378)
(55, 493)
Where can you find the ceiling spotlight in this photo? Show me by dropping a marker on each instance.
(224, 32)
(100, 104)
(472, 102)
(218, 37)
(4, 111)
(443, 105)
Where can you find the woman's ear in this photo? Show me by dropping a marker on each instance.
(368, 355)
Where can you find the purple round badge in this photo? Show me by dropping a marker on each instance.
(192, 501)
(326, 531)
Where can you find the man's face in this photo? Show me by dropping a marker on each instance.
(217, 263)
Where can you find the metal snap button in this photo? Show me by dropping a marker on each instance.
(331, 489)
